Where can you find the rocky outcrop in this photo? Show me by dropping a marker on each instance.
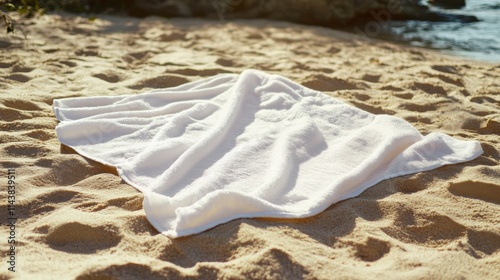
(318, 12)
(448, 4)
(332, 13)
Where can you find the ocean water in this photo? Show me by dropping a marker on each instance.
(477, 40)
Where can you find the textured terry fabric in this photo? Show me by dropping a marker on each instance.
(247, 145)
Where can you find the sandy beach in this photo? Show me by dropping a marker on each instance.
(76, 219)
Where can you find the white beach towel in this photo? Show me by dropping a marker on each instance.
(248, 145)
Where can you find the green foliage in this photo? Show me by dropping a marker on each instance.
(29, 8)
(9, 25)
(25, 8)
(7, 20)
(32, 8)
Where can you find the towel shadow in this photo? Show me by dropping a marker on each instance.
(253, 236)
(99, 167)
(248, 236)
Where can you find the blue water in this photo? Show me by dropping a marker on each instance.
(477, 40)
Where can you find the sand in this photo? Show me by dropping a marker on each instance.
(78, 220)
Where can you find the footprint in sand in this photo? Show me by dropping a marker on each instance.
(75, 237)
(33, 207)
(377, 110)
(86, 52)
(410, 185)
(372, 78)
(282, 263)
(372, 250)
(367, 209)
(50, 50)
(137, 57)
(400, 95)
(187, 253)
(41, 135)
(178, 254)
(9, 164)
(428, 88)
(421, 108)
(447, 74)
(418, 119)
(10, 139)
(485, 191)
(19, 78)
(22, 126)
(7, 64)
(67, 170)
(164, 81)
(140, 55)
(56, 196)
(491, 126)
(449, 79)
(225, 62)
(8, 115)
(109, 76)
(324, 83)
(361, 96)
(130, 203)
(17, 110)
(5, 44)
(484, 99)
(44, 203)
(68, 63)
(172, 36)
(140, 225)
(484, 241)
(22, 69)
(21, 105)
(29, 150)
(333, 50)
(430, 230)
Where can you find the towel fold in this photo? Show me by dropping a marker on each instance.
(249, 145)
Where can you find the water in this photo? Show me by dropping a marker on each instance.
(477, 40)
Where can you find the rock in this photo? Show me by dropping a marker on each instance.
(444, 17)
(448, 4)
(330, 13)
